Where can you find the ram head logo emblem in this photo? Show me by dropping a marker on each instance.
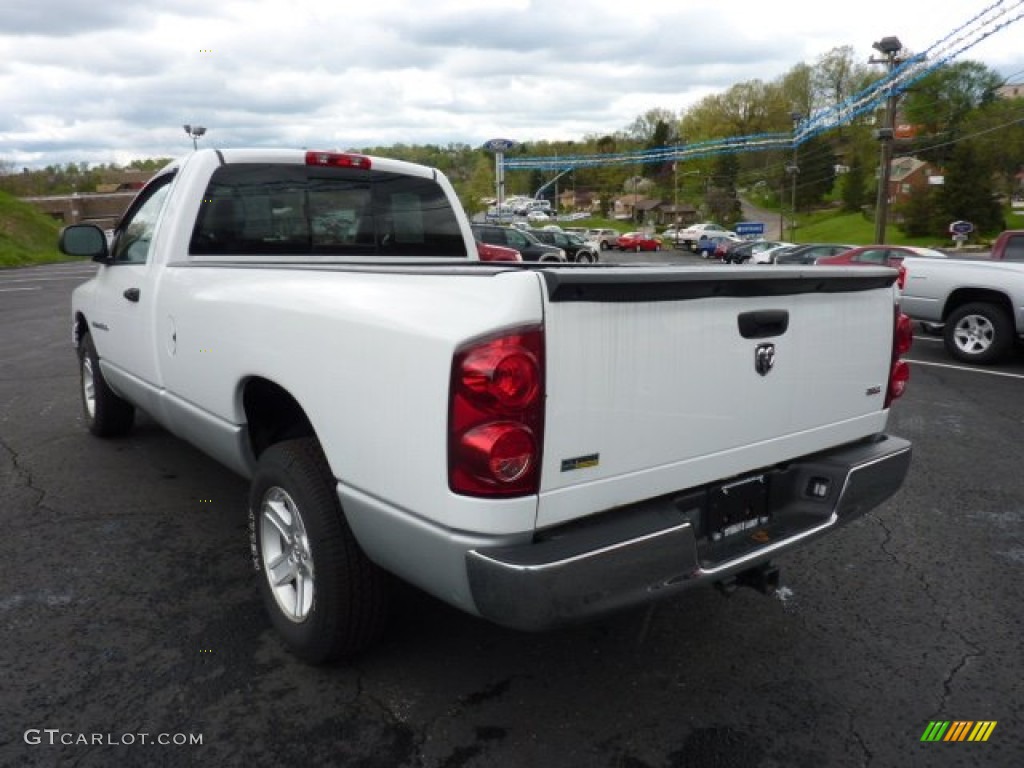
(764, 358)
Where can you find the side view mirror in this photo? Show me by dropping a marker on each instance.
(86, 240)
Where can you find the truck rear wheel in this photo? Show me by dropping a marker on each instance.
(324, 596)
(978, 333)
(106, 414)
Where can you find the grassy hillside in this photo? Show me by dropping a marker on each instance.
(838, 227)
(26, 235)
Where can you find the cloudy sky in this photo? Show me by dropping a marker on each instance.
(110, 81)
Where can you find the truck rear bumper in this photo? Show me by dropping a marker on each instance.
(647, 551)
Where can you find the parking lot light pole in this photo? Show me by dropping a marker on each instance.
(194, 131)
(888, 47)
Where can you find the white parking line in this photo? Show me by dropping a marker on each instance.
(966, 368)
(9, 290)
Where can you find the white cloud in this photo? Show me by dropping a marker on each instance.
(103, 82)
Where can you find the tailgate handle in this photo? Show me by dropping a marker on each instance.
(762, 323)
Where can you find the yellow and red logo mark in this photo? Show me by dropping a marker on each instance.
(958, 730)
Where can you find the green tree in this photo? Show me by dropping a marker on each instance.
(836, 76)
(997, 133)
(918, 215)
(966, 193)
(854, 187)
(817, 163)
(721, 199)
(480, 185)
(942, 101)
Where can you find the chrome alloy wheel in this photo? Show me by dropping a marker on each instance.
(287, 560)
(88, 387)
(974, 334)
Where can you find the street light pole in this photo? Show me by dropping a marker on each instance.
(194, 131)
(889, 47)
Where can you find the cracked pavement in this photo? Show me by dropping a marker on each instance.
(128, 605)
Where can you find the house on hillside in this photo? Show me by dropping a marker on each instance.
(908, 174)
(1010, 91)
(579, 200)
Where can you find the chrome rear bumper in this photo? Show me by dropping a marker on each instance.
(650, 550)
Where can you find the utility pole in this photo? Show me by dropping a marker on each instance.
(888, 47)
(793, 169)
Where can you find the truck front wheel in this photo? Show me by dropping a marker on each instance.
(324, 596)
(106, 414)
(978, 333)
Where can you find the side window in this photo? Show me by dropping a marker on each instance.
(872, 257)
(1014, 248)
(135, 232)
(516, 240)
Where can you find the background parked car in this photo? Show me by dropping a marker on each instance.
(522, 240)
(707, 245)
(693, 234)
(489, 252)
(882, 255)
(723, 244)
(809, 253)
(605, 238)
(767, 256)
(638, 241)
(575, 247)
(742, 251)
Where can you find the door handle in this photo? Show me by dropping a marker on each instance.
(132, 294)
(763, 323)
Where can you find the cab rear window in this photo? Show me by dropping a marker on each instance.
(275, 209)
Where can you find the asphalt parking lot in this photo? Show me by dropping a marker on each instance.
(128, 607)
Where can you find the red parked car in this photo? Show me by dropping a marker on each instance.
(638, 241)
(490, 252)
(881, 255)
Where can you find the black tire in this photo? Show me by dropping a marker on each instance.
(106, 414)
(329, 601)
(584, 257)
(978, 333)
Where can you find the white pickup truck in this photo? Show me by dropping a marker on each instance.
(533, 443)
(979, 304)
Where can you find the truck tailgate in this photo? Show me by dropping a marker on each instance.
(660, 380)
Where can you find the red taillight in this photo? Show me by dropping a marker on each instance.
(496, 418)
(338, 160)
(904, 334)
(501, 451)
(901, 277)
(899, 371)
(898, 379)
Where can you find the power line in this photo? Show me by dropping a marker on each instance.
(987, 22)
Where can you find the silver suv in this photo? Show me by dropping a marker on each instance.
(605, 238)
(575, 247)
